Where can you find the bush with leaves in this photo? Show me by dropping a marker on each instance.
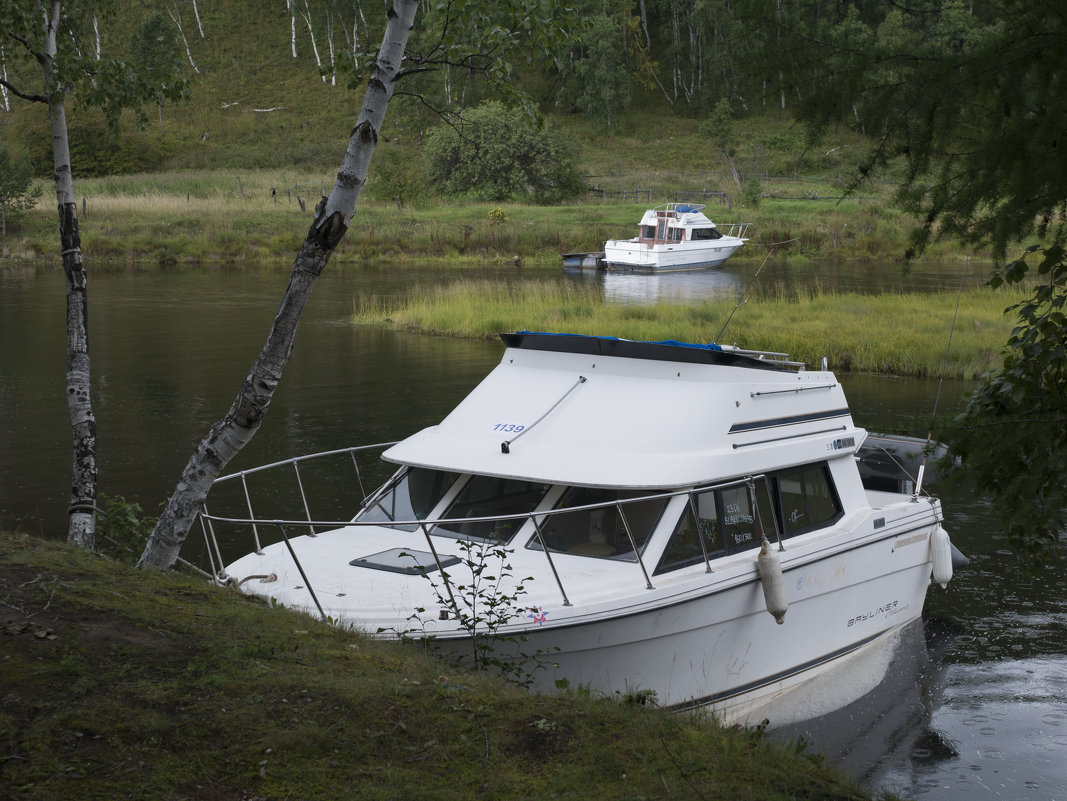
(122, 528)
(17, 192)
(1022, 407)
(494, 153)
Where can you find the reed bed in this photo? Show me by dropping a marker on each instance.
(894, 334)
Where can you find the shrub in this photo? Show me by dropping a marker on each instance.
(495, 154)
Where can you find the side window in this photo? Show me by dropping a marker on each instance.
(808, 500)
(648, 232)
(739, 520)
(684, 547)
(599, 532)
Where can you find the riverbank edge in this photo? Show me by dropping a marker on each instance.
(128, 683)
(171, 230)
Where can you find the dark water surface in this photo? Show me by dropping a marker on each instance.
(973, 704)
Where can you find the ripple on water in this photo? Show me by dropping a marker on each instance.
(1021, 702)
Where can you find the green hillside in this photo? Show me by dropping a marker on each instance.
(254, 106)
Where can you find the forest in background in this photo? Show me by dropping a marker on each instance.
(276, 84)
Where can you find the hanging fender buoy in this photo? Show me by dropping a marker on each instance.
(770, 573)
(941, 556)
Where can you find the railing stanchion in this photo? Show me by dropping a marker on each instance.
(300, 567)
(699, 532)
(303, 497)
(633, 544)
(359, 478)
(548, 556)
(251, 514)
(440, 567)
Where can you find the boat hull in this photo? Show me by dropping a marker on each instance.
(635, 255)
(722, 651)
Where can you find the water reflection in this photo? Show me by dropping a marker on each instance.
(783, 276)
(878, 722)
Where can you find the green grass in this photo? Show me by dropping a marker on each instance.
(898, 334)
(229, 216)
(129, 684)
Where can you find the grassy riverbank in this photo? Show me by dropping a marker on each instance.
(895, 334)
(232, 217)
(129, 684)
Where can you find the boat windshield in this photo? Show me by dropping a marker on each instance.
(489, 497)
(705, 233)
(600, 531)
(411, 495)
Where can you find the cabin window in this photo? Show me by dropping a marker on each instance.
(674, 234)
(490, 497)
(744, 526)
(807, 499)
(648, 232)
(684, 547)
(411, 495)
(600, 531)
(705, 233)
(725, 520)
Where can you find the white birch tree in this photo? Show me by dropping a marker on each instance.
(333, 215)
(51, 66)
(519, 26)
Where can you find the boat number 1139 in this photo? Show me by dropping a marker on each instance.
(508, 427)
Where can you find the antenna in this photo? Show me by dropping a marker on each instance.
(937, 398)
(744, 293)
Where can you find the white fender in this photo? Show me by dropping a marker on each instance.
(941, 556)
(770, 573)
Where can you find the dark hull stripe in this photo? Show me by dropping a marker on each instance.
(773, 679)
(777, 422)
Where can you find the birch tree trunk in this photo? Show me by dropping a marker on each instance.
(199, 24)
(332, 217)
(81, 528)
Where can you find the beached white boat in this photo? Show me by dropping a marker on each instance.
(675, 236)
(687, 520)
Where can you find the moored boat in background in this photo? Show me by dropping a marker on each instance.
(675, 236)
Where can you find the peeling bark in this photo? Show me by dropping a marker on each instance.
(332, 217)
(81, 529)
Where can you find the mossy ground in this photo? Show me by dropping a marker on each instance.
(118, 683)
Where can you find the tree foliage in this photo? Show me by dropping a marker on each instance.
(17, 190)
(492, 153)
(965, 96)
(1012, 435)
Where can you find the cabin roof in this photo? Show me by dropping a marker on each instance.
(597, 411)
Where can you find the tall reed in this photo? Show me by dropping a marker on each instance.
(897, 334)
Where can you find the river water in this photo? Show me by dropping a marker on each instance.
(972, 704)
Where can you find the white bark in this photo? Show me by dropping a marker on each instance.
(199, 24)
(176, 18)
(332, 218)
(306, 14)
(3, 88)
(81, 523)
(292, 25)
(333, 53)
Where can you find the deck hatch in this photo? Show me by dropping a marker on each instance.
(777, 422)
(404, 560)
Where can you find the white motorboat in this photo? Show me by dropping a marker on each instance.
(683, 520)
(675, 236)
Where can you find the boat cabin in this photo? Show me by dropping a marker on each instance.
(676, 222)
